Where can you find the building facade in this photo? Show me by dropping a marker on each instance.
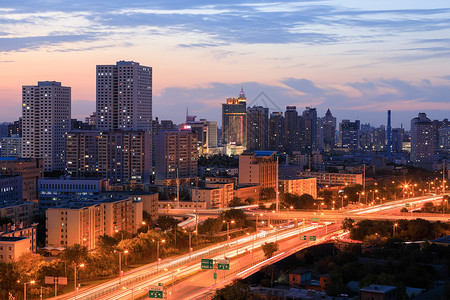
(329, 131)
(298, 186)
(349, 134)
(10, 188)
(11, 146)
(276, 132)
(45, 121)
(332, 179)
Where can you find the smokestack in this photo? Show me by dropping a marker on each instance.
(389, 146)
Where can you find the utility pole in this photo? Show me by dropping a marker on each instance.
(276, 189)
(178, 191)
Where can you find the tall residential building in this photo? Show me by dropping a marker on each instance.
(15, 129)
(46, 119)
(349, 134)
(329, 131)
(257, 131)
(124, 96)
(276, 132)
(397, 139)
(176, 151)
(234, 121)
(436, 126)
(422, 141)
(291, 129)
(444, 138)
(120, 156)
(309, 134)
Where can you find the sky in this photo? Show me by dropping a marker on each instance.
(358, 58)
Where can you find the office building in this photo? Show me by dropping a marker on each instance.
(83, 223)
(45, 121)
(258, 168)
(234, 121)
(19, 212)
(349, 134)
(124, 97)
(397, 138)
(31, 170)
(257, 128)
(333, 179)
(176, 154)
(422, 141)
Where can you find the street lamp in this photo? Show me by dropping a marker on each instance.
(126, 261)
(117, 231)
(253, 243)
(256, 226)
(75, 279)
(148, 225)
(228, 229)
(173, 281)
(25, 288)
(157, 254)
(393, 229)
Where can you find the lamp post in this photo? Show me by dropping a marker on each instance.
(228, 229)
(75, 279)
(253, 243)
(126, 261)
(173, 281)
(256, 226)
(393, 229)
(148, 225)
(157, 254)
(25, 289)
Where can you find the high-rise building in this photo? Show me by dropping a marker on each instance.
(46, 119)
(15, 129)
(291, 129)
(124, 97)
(397, 139)
(329, 131)
(120, 156)
(436, 126)
(422, 141)
(234, 121)
(276, 132)
(309, 132)
(176, 154)
(349, 134)
(444, 138)
(257, 131)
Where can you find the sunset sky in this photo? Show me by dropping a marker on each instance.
(358, 58)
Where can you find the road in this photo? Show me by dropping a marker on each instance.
(136, 281)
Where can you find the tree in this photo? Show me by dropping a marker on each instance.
(75, 254)
(306, 201)
(238, 290)
(106, 244)
(267, 194)
(236, 201)
(211, 226)
(237, 215)
(9, 275)
(166, 222)
(250, 201)
(347, 224)
(269, 249)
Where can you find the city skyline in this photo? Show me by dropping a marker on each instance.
(353, 58)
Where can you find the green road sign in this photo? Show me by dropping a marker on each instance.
(156, 291)
(407, 205)
(207, 264)
(215, 275)
(303, 237)
(312, 237)
(155, 294)
(223, 264)
(315, 219)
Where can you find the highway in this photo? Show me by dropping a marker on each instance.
(198, 282)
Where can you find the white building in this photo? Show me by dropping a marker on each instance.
(45, 120)
(124, 96)
(422, 141)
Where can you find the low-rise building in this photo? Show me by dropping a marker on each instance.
(298, 186)
(19, 231)
(19, 212)
(83, 222)
(10, 188)
(331, 179)
(11, 248)
(215, 196)
(378, 292)
(31, 170)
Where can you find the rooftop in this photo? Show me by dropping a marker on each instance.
(12, 238)
(375, 288)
